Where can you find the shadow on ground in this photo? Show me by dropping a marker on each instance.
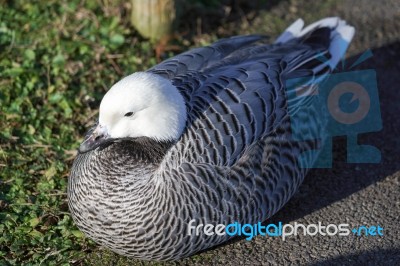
(205, 19)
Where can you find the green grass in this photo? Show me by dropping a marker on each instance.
(57, 59)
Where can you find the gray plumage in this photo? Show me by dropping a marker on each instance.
(236, 160)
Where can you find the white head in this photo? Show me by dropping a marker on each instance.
(140, 105)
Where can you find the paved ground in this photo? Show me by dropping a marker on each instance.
(357, 194)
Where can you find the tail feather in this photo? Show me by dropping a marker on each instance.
(326, 43)
(332, 33)
(291, 32)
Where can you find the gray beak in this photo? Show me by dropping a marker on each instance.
(94, 139)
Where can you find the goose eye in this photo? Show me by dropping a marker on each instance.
(128, 114)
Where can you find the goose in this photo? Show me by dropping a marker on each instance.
(204, 137)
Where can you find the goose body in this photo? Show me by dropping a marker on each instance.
(203, 136)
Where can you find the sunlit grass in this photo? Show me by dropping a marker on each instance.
(57, 59)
